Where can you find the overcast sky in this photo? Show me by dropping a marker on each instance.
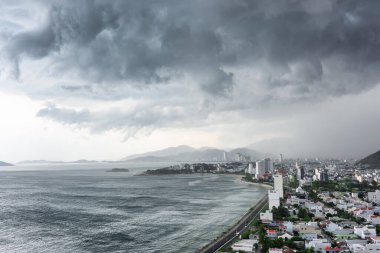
(104, 79)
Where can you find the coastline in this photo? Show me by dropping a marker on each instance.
(237, 228)
(240, 180)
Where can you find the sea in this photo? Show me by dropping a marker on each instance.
(85, 208)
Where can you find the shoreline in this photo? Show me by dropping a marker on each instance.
(235, 229)
(240, 180)
(241, 224)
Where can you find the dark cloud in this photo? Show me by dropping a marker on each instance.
(189, 59)
(309, 46)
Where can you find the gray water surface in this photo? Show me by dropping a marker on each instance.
(73, 208)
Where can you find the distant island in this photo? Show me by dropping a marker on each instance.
(118, 170)
(5, 164)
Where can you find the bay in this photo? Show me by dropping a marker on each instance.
(84, 208)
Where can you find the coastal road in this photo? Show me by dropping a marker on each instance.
(237, 229)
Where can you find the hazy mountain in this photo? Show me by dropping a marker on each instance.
(55, 162)
(248, 152)
(201, 154)
(372, 161)
(276, 146)
(149, 159)
(163, 152)
(5, 164)
(39, 162)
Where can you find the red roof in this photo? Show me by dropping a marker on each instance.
(334, 249)
(271, 231)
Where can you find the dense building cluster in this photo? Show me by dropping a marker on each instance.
(327, 206)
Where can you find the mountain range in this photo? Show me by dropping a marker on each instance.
(371, 161)
(185, 153)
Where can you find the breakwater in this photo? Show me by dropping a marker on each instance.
(236, 229)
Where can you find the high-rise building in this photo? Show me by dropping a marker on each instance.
(281, 158)
(300, 172)
(251, 169)
(279, 184)
(225, 156)
(274, 199)
(268, 165)
(260, 169)
(321, 175)
(324, 176)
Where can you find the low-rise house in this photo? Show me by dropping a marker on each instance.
(274, 250)
(271, 233)
(312, 206)
(373, 219)
(367, 248)
(357, 248)
(309, 236)
(318, 244)
(365, 232)
(244, 245)
(308, 228)
(331, 227)
(331, 250)
(374, 197)
(363, 212)
(294, 200)
(351, 243)
(285, 236)
(329, 210)
(375, 239)
(344, 205)
(344, 234)
(348, 224)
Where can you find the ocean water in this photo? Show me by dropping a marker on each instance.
(83, 208)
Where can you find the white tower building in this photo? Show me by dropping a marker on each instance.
(274, 199)
(225, 156)
(251, 169)
(279, 184)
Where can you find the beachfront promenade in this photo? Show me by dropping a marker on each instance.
(237, 229)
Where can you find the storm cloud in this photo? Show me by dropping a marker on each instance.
(187, 61)
(327, 48)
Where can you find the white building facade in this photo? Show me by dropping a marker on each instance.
(279, 184)
(274, 199)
